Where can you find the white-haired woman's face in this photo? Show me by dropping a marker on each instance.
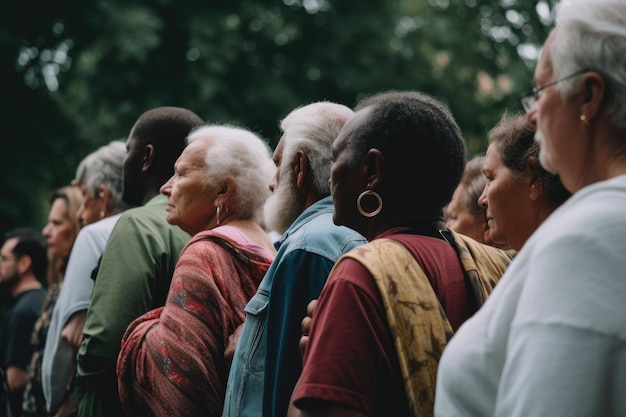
(191, 203)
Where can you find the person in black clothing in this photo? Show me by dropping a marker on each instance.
(23, 265)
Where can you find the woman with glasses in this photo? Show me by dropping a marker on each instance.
(551, 339)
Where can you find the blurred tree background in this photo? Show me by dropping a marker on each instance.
(77, 73)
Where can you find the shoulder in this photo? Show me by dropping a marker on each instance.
(31, 300)
(95, 234)
(148, 224)
(319, 235)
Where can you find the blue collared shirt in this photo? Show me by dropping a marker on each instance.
(267, 362)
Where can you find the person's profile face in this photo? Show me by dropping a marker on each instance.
(59, 232)
(191, 203)
(8, 262)
(282, 206)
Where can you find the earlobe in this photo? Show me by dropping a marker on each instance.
(535, 185)
(594, 91)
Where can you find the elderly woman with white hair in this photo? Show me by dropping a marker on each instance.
(172, 360)
(99, 178)
(551, 339)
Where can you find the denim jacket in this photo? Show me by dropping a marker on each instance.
(267, 361)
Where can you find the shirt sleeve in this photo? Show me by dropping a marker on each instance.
(58, 362)
(19, 326)
(347, 359)
(566, 351)
(123, 290)
(298, 279)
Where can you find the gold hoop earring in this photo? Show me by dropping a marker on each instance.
(376, 196)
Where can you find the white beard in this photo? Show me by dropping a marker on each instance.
(281, 208)
(543, 154)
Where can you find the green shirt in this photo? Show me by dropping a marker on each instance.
(133, 277)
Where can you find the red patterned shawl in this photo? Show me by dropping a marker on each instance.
(171, 361)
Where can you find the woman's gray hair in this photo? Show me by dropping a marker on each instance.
(104, 167)
(312, 129)
(591, 35)
(244, 156)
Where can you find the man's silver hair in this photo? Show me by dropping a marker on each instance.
(591, 35)
(244, 156)
(312, 129)
(104, 166)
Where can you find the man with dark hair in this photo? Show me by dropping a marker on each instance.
(23, 264)
(139, 259)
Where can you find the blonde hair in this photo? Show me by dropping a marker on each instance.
(73, 198)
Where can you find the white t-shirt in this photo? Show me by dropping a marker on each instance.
(551, 339)
(58, 362)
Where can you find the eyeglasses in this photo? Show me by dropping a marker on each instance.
(529, 101)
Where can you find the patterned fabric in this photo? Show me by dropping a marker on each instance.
(172, 359)
(484, 265)
(418, 323)
(34, 403)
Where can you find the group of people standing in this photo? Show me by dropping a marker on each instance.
(180, 267)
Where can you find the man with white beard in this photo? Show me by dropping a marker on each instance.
(267, 360)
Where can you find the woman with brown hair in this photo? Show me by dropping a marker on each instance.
(520, 194)
(60, 232)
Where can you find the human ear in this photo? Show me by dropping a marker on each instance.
(148, 158)
(594, 88)
(375, 168)
(24, 264)
(535, 185)
(301, 169)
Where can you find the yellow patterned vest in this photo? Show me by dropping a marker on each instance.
(417, 321)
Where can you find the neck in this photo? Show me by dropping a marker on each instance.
(148, 195)
(27, 282)
(253, 231)
(426, 226)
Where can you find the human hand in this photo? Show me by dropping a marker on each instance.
(67, 409)
(306, 325)
(73, 331)
(233, 339)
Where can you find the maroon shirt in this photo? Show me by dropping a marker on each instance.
(351, 358)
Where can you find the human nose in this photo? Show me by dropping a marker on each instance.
(46, 230)
(166, 189)
(482, 200)
(531, 116)
(274, 182)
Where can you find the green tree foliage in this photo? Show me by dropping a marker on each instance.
(76, 74)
